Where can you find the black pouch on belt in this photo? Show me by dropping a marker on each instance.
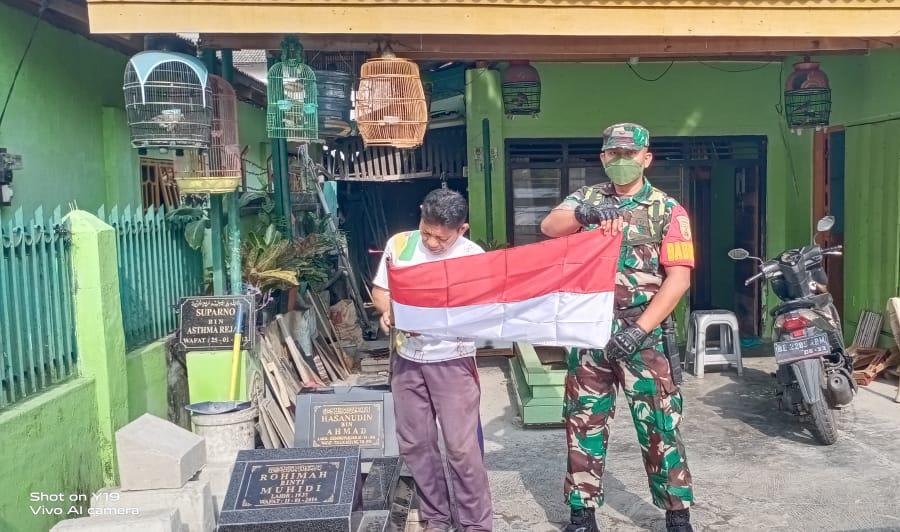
(670, 347)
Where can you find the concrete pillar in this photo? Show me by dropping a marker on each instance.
(99, 335)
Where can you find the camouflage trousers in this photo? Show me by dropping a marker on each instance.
(656, 407)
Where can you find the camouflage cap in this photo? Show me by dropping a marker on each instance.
(626, 135)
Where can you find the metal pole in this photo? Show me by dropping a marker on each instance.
(234, 215)
(283, 182)
(488, 168)
(279, 155)
(215, 209)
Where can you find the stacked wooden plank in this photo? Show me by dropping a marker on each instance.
(868, 360)
(893, 317)
(288, 368)
(868, 364)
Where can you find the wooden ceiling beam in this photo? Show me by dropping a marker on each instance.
(550, 48)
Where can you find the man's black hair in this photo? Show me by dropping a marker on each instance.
(445, 207)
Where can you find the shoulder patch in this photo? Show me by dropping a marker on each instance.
(684, 226)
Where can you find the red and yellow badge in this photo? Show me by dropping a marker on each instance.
(677, 247)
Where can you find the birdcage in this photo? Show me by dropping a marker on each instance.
(168, 101)
(292, 97)
(390, 103)
(521, 88)
(807, 97)
(335, 89)
(218, 169)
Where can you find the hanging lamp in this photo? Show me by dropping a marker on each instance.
(807, 97)
(292, 109)
(390, 104)
(521, 88)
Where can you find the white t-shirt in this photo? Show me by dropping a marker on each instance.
(406, 249)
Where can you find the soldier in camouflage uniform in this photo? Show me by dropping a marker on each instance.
(654, 272)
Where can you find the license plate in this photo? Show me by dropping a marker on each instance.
(802, 348)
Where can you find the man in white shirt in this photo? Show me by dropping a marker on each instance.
(436, 379)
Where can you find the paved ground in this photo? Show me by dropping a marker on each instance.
(754, 468)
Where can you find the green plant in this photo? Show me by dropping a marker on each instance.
(269, 261)
(266, 214)
(194, 215)
(492, 245)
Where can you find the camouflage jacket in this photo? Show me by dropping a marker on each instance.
(657, 233)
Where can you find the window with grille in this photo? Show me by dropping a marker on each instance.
(542, 172)
(158, 187)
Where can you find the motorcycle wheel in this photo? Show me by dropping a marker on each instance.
(824, 426)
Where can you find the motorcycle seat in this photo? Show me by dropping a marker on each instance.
(813, 302)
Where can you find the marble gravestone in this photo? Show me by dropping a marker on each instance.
(310, 490)
(358, 415)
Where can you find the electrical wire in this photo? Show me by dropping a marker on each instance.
(657, 78)
(15, 77)
(779, 109)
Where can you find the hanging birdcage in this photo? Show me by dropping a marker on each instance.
(292, 97)
(216, 170)
(168, 101)
(390, 103)
(521, 88)
(335, 90)
(807, 97)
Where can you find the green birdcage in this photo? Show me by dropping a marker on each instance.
(293, 108)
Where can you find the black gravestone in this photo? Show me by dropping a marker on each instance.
(361, 416)
(207, 323)
(309, 490)
(380, 483)
(374, 521)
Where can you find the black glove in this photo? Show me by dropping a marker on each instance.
(625, 343)
(588, 214)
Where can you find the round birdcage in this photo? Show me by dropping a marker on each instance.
(335, 89)
(292, 98)
(807, 97)
(216, 170)
(168, 101)
(390, 104)
(521, 88)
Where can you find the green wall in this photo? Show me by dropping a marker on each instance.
(866, 101)
(63, 117)
(580, 99)
(252, 125)
(50, 445)
(148, 381)
(67, 119)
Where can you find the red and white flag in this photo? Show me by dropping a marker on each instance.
(556, 292)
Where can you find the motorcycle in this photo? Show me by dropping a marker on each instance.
(815, 373)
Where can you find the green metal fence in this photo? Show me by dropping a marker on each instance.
(156, 268)
(37, 331)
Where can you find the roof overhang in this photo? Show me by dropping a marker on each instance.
(663, 18)
(552, 48)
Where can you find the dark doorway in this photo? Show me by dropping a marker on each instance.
(828, 198)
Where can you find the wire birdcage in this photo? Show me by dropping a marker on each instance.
(168, 101)
(807, 97)
(292, 97)
(521, 89)
(390, 104)
(216, 170)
